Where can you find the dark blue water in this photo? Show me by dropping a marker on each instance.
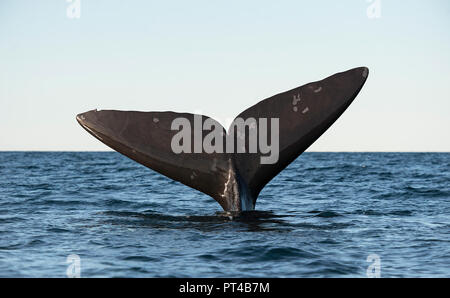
(321, 217)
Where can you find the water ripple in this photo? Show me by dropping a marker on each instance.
(321, 217)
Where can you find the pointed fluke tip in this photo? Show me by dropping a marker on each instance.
(85, 118)
(365, 72)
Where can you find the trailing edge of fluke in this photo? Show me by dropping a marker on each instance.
(233, 179)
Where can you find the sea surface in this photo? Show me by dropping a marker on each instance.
(323, 216)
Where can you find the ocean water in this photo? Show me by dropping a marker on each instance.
(321, 217)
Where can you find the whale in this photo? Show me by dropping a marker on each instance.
(234, 178)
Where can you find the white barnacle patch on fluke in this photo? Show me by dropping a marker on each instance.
(306, 110)
(296, 98)
(155, 120)
(193, 175)
(318, 90)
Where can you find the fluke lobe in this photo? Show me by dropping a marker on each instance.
(233, 179)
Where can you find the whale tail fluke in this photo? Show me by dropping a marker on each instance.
(233, 175)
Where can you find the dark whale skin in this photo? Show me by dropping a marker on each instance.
(234, 180)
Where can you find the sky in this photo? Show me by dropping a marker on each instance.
(219, 58)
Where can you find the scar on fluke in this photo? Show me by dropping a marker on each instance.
(296, 99)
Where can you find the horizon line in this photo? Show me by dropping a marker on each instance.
(331, 151)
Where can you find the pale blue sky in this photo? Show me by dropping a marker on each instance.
(220, 57)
